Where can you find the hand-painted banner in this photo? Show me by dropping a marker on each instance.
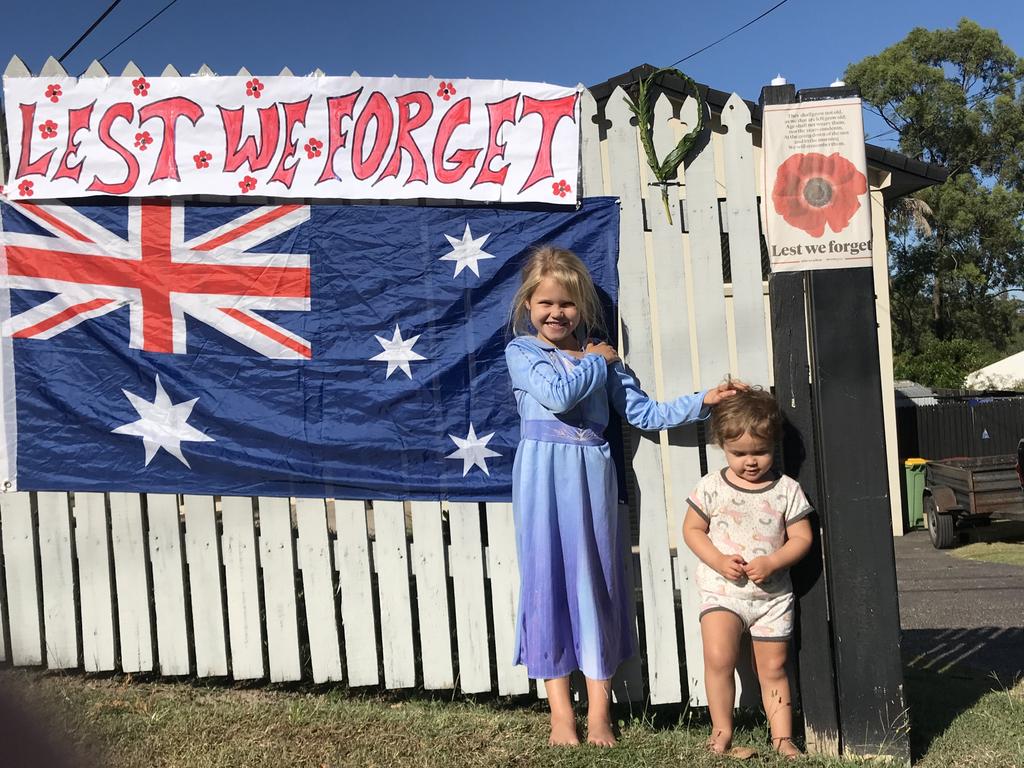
(307, 137)
(294, 349)
(817, 211)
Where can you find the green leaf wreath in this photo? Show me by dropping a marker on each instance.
(643, 108)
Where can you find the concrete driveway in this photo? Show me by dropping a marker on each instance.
(959, 615)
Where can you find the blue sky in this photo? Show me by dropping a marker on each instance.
(808, 41)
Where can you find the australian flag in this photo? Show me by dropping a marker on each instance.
(348, 351)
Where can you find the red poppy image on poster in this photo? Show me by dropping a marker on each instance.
(812, 190)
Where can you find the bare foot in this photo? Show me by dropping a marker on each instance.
(563, 732)
(599, 733)
(784, 746)
(719, 742)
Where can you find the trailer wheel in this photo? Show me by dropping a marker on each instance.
(941, 525)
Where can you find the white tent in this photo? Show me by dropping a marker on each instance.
(1007, 373)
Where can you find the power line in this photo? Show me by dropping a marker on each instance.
(883, 133)
(738, 29)
(138, 29)
(85, 34)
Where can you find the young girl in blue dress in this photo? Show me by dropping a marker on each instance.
(574, 600)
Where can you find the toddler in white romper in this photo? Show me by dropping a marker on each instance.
(749, 523)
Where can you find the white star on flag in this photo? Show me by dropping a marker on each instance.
(472, 450)
(467, 251)
(398, 352)
(163, 424)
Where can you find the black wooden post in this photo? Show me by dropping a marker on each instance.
(828, 384)
(815, 666)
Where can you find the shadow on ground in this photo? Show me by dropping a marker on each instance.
(946, 672)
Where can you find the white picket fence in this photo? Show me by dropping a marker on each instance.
(393, 594)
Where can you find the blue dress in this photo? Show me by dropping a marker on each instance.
(574, 602)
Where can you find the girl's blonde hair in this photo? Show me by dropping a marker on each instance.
(565, 267)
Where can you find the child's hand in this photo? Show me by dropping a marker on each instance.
(731, 567)
(723, 391)
(760, 569)
(604, 349)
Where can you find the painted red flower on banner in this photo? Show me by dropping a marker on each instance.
(141, 86)
(313, 147)
(25, 188)
(143, 140)
(248, 184)
(48, 129)
(446, 90)
(561, 188)
(812, 190)
(202, 159)
(253, 88)
(53, 93)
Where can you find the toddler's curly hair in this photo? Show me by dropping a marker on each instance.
(751, 410)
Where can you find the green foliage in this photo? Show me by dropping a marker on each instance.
(957, 252)
(941, 363)
(643, 108)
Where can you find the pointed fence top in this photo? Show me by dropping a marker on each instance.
(53, 68)
(16, 68)
(95, 69)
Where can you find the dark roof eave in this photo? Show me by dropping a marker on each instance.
(909, 175)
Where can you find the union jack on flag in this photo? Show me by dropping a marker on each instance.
(347, 351)
(161, 275)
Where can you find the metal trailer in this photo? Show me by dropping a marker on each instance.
(966, 491)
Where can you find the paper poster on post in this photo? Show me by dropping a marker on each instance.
(815, 196)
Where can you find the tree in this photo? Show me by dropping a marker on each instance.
(957, 251)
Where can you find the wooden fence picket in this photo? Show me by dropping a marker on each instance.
(391, 558)
(628, 682)
(23, 595)
(467, 566)
(673, 299)
(277, 563)
(753, 355)
(590, 147)
(710, 323)
(431, 573)
(56, 567)
(314, 556)
(355, 582)
(503, 570)
(131, 583)
(167, 555)
(92, 544)
(202, 554)
(245, 630)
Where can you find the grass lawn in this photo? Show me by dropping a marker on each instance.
(1000, 542)
(115, 721)
(1009, 552)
